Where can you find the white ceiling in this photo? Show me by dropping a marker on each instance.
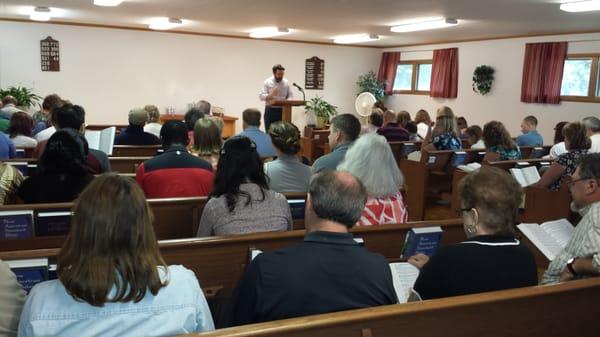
(321, 20)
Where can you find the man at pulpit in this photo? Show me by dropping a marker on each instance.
(275, 88)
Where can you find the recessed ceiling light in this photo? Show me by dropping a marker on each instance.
(41, 14)
(107, 3)
(265, 32)
(356, 38)
(581, 6)
(424, 25)
(165, 23)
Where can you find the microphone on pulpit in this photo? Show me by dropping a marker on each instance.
(301, 90)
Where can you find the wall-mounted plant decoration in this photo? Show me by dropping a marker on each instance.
(483, 77)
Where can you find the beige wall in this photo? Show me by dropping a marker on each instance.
(109, 71)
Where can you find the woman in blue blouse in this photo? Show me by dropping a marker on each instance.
(112, 279)
(445, 135)
(498, 143)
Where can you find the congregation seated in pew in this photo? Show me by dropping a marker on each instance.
(153, 125)
(72, 116)
(43, 128)
(175, 173)
(491, 258)
(499, 145)
(201, 110)
(19, 130)
(581, 256)
(423, 121)
(474, 136)
(344, 130)
(250, 125)
(241, 201)
(530, 136)
(577, 144)
(559, 147)
(327, 272)
(111, 274)
(287, 173)
(374, 121)
(593, 131)
(371, 160)
(391, 129)
(62, 172)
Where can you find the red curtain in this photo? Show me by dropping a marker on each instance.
(387, 70)
(542, 72)
(444, 73)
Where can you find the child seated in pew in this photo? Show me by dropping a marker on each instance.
(498, 143)
(241, 201)
(112, 279)
(491, 258)
(445, 135)
(577, 144)
(473, 135)
(371, 160)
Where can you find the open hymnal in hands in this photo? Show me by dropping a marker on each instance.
(526, 176)
(101, 140)
(404, 276)
(550, 237)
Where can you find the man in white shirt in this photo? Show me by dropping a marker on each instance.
(593, 131)
(275, 88)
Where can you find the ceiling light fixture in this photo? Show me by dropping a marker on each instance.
(41, 14)
(581, 6)
(424, 25)
(265, 32)
(165, 23)
(356, 38)
(107, 3)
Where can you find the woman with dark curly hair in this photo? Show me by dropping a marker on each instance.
(241, 201)
(287, 173)
(498, 143)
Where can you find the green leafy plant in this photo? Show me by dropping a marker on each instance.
(24, 96)
(320, 107)
(483, 77)
(369, 83)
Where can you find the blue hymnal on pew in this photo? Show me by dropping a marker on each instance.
(16, 224)
(297, 208)
(29, 272)
(423, 240)
(52, 223)
(458, 158)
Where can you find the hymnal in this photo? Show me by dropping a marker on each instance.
(526, 176)
(423, 240)
(52, 223)
(550, 237)
(16, 224)
(29, 272)
(297, 208)
(101, 140)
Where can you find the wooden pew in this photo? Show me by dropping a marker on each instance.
(312, 143)
(174, 218)
(566, 309)
(533, 152)
(135, 150)
(220, 261)
(126, 164)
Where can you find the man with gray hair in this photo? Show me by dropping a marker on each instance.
(134, 134)
(329, 271)
(593, 131)
(9, 107)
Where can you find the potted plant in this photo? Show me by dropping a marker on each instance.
(320, 108)
(369, 83)
(24, 96)
(483, 77)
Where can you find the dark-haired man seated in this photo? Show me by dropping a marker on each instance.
(175, 173)
(327, 272)
(581, 256)
(344, 130)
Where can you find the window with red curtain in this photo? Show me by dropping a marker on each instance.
(542, 72)
(444, 73)
(387, 70)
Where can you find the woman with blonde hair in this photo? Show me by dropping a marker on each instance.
(152, 125)
(112, 279)
(207, 141)
(445, 135)
(370, 159)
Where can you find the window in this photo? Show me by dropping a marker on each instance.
(580, 81)
(413, 77)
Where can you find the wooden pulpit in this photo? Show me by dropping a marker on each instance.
(286, 106)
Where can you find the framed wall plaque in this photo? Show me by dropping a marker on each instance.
(50, 54)
(314, 73)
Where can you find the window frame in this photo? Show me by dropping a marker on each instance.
(415, 76)
(594, 79)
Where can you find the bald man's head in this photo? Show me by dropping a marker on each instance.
(338, 197)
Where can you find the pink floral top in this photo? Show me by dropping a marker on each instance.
(384, 210)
